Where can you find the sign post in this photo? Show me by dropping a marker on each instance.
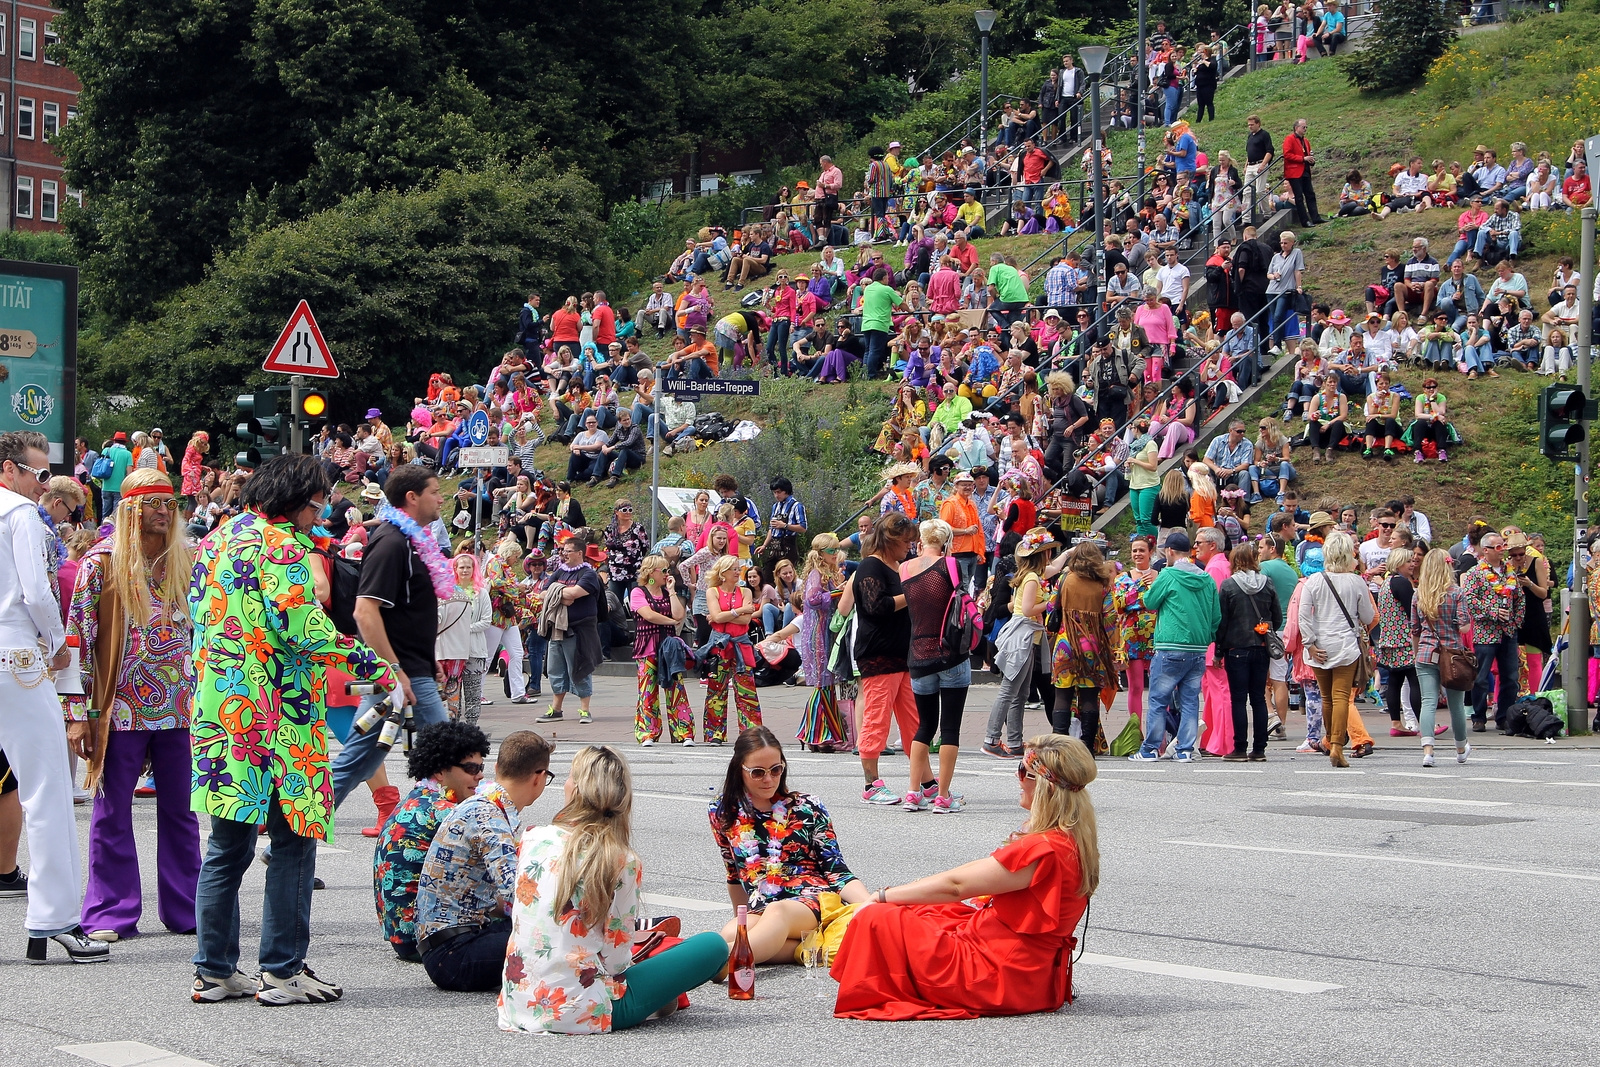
(1575, 678)
(714, 387)
(655, 463)
(39, 354)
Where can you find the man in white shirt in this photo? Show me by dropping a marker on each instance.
(1375, 550)
(1172, 281)
(657, 310)
(1405, 509)
(1410, 188)
(32, 644)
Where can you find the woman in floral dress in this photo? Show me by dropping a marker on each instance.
(1083, 652)
(779, 848)
(569, 964)
(823, 727)
(1136, 624)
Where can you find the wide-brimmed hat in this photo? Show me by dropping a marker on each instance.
(374, 413)
(373, 493)
(1033, 542)
(895, 470)
(1318, 520)
(1339, 318)
(1516, 540)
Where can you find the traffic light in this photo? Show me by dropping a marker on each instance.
(312, 414)
(1561, 409)
(260, 427)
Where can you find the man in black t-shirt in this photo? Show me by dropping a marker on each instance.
(397, 612)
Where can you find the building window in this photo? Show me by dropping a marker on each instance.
(51, 118)
(47, 201)
(72, 114)
(3, 35)
(2, 114)
(50, 40)
(25, 117)
(75, 195)
(24, 198)
(27, 39)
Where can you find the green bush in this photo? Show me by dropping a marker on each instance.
(1403, 42)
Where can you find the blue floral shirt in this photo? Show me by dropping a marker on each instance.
(397, 864)
(471, 870)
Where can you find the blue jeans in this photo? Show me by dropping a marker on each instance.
(563, 657)
(1503, 652)
(1286, 472)
(1173, 675)
(877, 351)
(285, 911)
(774, 618)
(694, 370)
(1174, 95)
(957, 677)
(624, 461)
(1462, 244)
(1283, 316)
(360, 758)
(108, 504)
(1513, 241)
(535, 647)
(1479, 358)
(778, 346)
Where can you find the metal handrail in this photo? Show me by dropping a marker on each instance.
(963, 129)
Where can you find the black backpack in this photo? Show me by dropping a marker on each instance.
(345, 577)
(1533, 717)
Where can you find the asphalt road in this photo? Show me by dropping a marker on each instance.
(1270, 914)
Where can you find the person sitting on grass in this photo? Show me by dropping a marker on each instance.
(1382, 411)
(994, 936)
(1433, 422)
(779, 849)
(468, 877)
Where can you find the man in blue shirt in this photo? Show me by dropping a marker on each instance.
(787, 523)
(1240, 346)
(1230, 457)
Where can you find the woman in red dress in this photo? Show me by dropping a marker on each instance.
(994, 936)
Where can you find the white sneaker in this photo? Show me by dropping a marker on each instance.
(947, 805)
(688, 742)
(211, 990)
(1461, 757)
(878, 793)
(303, 988)
(920, 799)
(647, 743)
(1427, 757)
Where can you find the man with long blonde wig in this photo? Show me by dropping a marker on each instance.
(129, 611)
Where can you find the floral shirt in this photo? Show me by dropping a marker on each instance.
(155, 681)
(561, 976)
(787, 853)
(471, 867)
(930, 498)
(1488, 590)
(508, 601)
(1136, 624)
(262, 647)
(397, 863)
(626, 550)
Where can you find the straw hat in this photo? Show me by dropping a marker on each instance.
(1033, 542)
(896, 470)
(1318, 521)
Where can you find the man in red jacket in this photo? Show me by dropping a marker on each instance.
(605, 323)
(1297, 163)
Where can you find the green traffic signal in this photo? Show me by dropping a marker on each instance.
(1562, 409)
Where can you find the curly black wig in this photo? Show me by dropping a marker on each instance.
(441, 745)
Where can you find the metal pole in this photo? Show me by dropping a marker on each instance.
(1138, 104)
(655, 464)
(1575, 680)
(477, 516)
(983, 93)
(296, 435)
(1096, 136)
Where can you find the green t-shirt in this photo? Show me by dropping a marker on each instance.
(877, 301)
(1283, 580)
(1008, 287)
(121, 460)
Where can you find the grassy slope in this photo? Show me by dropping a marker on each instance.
(1500, 473)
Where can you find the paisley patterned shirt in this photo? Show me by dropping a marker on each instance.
(262, 646)
(155, 683)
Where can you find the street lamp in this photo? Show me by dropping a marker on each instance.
(1094, 61)
(1138, 102)
(985, 19)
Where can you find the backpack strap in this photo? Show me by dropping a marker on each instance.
(955, 575)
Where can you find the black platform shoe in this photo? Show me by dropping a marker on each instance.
(79, 948)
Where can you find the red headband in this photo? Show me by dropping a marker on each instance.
(148, 490)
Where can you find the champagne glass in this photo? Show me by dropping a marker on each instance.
(810, 953)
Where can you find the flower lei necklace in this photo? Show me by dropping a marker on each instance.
(767, 872)
(1315, 539)
(439, 569)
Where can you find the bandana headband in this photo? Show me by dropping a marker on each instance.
(148, 490)
(1036, 768)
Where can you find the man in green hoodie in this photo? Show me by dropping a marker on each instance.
(1187, 613)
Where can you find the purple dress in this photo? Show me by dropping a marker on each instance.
(812, 640)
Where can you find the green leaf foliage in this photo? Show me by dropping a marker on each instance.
(1402, 44)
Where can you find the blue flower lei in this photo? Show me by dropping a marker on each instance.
(439, 569)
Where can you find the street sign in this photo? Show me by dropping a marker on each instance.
(478, 427)
(301, 348)
(714, 387)
(485, 457)
(1591, 149)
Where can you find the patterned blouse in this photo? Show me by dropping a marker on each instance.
(508, 601)
(397, 863)
(155, 686)
(1488, 590)
(1136, 624)
(788, 853)
(1444, 631)
(471, 867)
(561, 976)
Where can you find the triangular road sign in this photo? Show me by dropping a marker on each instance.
(301, 348)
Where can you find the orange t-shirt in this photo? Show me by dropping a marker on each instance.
(960, 513)
(1202, 511)
(708, 352)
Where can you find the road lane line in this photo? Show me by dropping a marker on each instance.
(1409, 860)
(705, 800)
(1330, 770)
(1591, 785)
(1229, 770)
(129, 1054)
(1208, 974)
(686, 903)
(1398, 799)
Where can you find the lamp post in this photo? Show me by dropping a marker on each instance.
(1138, 106)
(1094, 61)
(985, 18)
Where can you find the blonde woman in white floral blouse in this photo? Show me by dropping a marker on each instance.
(569, 967)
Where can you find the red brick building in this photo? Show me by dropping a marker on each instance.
(37, 98)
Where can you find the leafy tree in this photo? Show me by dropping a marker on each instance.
(402, 283)
(1403, 42)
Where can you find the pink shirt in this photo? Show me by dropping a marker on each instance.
(831, 180)
(944, 291)
(1158, 324)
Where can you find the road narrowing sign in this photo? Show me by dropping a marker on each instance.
(301, 348)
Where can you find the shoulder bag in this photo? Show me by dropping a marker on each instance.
(1272, 638)
(1363, 675)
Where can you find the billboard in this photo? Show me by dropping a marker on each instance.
(39, 353)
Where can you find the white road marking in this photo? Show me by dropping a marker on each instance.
(706, 800)
(1410, 860)
(1591, 785)
(1399, 799)
(1208, 974)
(1435, 777)
(1229, 770)
(1485, 778)
(686, 903)
(1538, 762)
(1331, 770)
(129, 1054)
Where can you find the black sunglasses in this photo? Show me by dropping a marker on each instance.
(471, 768)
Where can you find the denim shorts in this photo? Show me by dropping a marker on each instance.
(957, 677)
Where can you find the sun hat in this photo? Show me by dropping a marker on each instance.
(896, 470)
(1033, 542)
(1339, 318)
(373, 413)
(963, 476)
(372, 493)
(1318, 520)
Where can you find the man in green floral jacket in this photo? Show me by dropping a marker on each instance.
(259, 732)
